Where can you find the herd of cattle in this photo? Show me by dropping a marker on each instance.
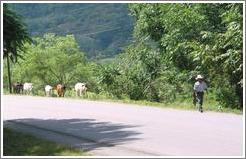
(26, 88)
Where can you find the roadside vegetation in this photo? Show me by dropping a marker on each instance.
(172, 44)
(210, 103)
(20, 144)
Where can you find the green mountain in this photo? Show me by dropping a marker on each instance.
(101, 30)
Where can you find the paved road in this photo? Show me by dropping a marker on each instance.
(107, 128)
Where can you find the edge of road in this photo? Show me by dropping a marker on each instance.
(124, 104)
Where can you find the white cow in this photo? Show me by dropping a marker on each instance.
(48, 90)
(27, 88)
(80, 88)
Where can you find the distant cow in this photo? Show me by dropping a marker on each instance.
(80, 88)
(48, 90)
(17, 88)
(60, 89)
(27, 87)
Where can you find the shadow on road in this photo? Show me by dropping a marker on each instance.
(87, 134)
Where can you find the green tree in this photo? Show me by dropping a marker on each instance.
(202, 38)
(52, 60)
(140, 74)
(14, 37)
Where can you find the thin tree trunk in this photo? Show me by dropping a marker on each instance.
(9, 76)
(239, 91)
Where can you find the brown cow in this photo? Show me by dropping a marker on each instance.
(60, 89)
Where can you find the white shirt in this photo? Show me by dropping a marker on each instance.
(200, 86)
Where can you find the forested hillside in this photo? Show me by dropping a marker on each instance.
(101, 30)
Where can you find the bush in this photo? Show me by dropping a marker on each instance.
(166, 92)
(227, 97)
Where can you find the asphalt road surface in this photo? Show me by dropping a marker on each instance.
(114, 129)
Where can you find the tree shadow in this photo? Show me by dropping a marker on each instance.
(87, 134)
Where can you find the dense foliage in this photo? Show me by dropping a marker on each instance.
(173, 43)
(101, 30)
(141, 74)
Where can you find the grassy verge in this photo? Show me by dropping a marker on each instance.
(20, 144)
(210, 104)
(183, 105)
